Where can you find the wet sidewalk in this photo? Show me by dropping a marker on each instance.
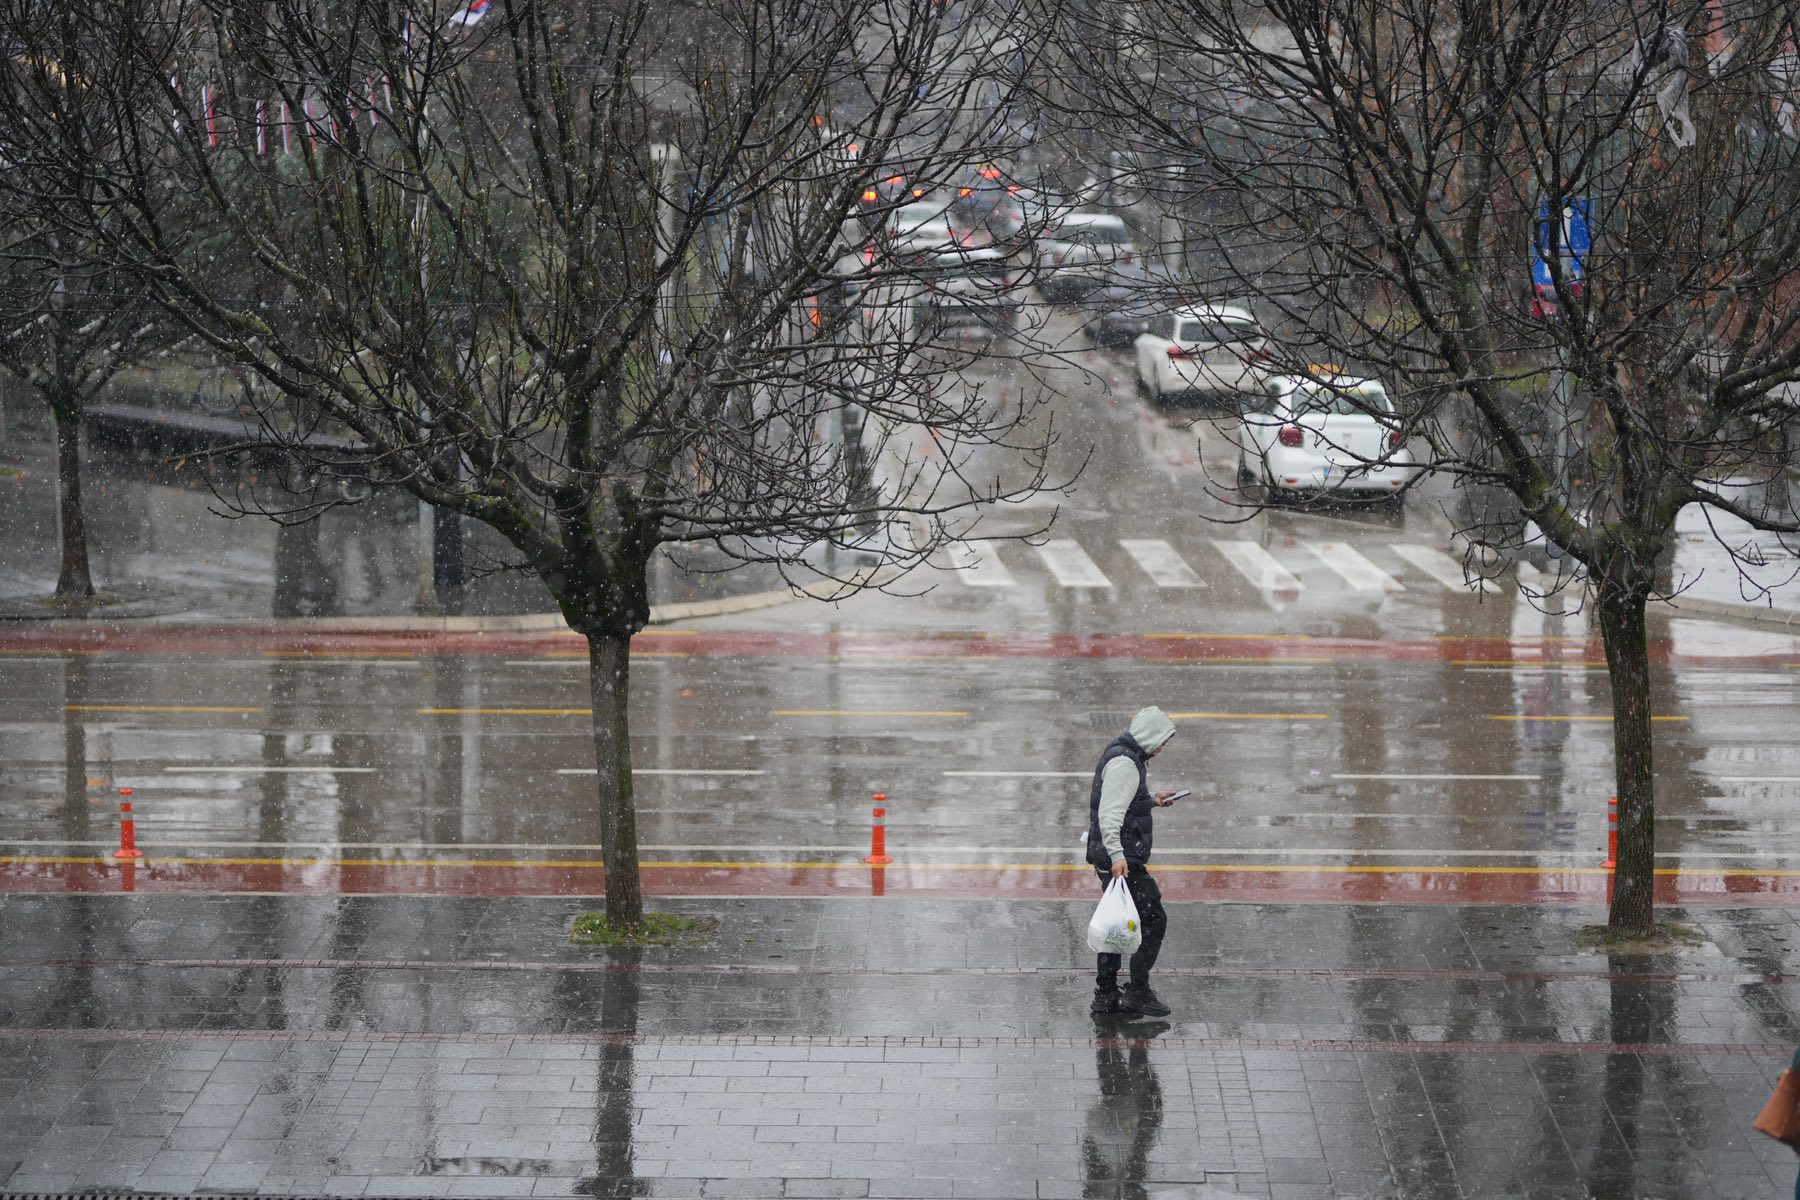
(880, 1048)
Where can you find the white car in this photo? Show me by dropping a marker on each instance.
(1075, 256)
(1323, 434)
(1211, 350)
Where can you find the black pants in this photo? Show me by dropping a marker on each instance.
(1148, 898)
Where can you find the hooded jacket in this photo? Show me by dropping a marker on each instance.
(1120, 806)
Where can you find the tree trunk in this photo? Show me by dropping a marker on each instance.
(74, 582)
(1622, 629)
(609, 682)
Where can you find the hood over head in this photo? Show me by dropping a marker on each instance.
(1151, 728)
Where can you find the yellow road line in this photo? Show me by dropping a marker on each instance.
(50, 651)
(338, 654)
(865, 712)
(1182, 662)
(1525, 717)
(635, 654)
(1528, 662)
(150, 708)
(760, 865)
(1231, 716)
(916, 657)
(1535, 639)
(508, 712)
(1227, 637)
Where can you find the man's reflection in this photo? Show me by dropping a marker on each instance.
(1126, 1113)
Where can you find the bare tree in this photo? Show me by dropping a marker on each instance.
(580, 272)
(69, 322)
(1389, 175)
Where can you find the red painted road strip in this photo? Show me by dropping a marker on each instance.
(1378, 885)
(166, 639)
(904, 1044)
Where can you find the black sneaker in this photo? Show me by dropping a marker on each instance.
(1106, 1002)
(1143, 1002)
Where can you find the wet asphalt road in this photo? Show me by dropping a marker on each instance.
(1343, 698)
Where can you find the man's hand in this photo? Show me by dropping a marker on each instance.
(1120, 868)
(1164, 799)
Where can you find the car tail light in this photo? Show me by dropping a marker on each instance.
(1396, 439)
(1125, 257)
(1180, 352)
(1291, 436)
(870, 196)
(1259, 355)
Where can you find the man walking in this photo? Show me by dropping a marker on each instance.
(1118, 845)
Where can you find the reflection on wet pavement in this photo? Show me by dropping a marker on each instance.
(392, 1044)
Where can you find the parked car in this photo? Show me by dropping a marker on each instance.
(1214, 351)
(1323, 434)
(1075, 256)
(1121, 307)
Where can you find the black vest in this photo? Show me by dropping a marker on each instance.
(1135, 832)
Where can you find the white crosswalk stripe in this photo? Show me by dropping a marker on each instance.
(1357, 571)
(1159, 560)
(1439, 566)
(1258, 566)
(978, 564)
(1071, 565)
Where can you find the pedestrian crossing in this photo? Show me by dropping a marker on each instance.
(1374, 569)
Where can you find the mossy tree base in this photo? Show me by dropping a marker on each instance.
(656, 929)
(1661, 938)
(79, 604)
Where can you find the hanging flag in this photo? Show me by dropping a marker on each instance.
(287, 138)
(206, 103)
(262, 139)
(476, 10)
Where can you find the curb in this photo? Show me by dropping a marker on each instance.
(553, 622)
(1692, 606)
(1683, 606)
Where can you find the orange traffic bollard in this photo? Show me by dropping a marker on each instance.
(127, 830)
(878, 854)
(1612, 832)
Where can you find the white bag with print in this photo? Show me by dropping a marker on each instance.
(1114, 928)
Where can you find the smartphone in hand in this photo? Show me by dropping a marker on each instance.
(1181, 795)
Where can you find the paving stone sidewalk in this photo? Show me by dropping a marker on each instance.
(316, 1045)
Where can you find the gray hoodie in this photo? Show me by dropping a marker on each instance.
(1118, 783)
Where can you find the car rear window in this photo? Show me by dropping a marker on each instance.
(1100, 235)
(1340, 402)
(1215, 330)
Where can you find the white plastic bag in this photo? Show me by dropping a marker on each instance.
(1114, 927)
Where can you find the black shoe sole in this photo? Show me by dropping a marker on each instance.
(1161, 1010)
